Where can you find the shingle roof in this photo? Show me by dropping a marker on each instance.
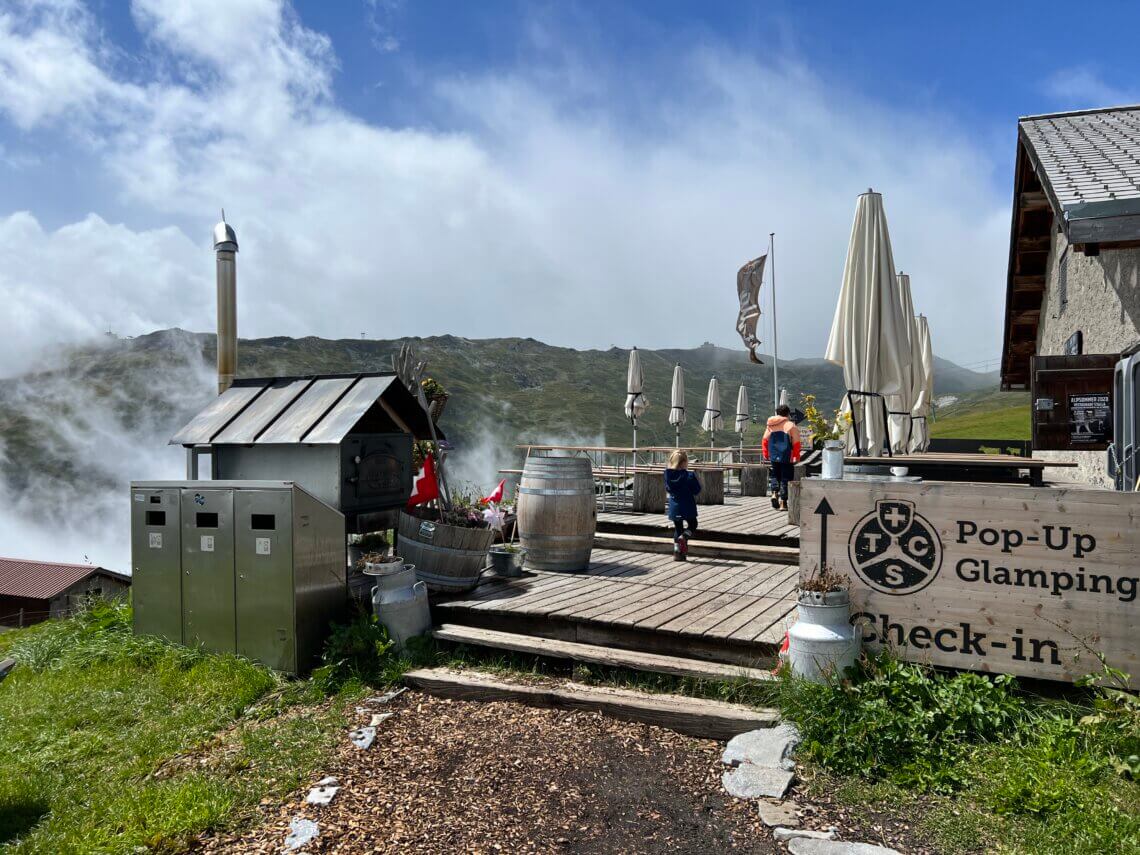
(40, 580)
(1089, 165)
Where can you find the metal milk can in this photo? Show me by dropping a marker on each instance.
(823, 641)
(399, 601)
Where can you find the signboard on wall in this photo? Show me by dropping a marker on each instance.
(1000, 578)
(1090, 418)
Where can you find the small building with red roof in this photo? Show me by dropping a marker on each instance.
(33, 591)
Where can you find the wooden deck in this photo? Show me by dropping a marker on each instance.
(741, 519)
(718, 609)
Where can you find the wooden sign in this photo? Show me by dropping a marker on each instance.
(991, 577)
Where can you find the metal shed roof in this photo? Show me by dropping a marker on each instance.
(42, 580)
(1089, 165)
(316, 409)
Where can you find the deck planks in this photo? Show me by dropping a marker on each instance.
(730, 600)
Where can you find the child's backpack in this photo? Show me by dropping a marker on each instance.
(779, 447)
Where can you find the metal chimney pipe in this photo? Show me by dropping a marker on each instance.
(225, 248)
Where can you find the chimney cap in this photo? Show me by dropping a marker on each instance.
(224, 237)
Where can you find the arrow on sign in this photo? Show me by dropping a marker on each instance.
(824, 510)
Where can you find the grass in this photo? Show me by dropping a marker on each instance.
(100, 732)
(979, 763)
(984, 415)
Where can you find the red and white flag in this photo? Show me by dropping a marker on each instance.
(496, 494)
(425, 487)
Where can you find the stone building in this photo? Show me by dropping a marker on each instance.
(1073, 286)
(33, 591)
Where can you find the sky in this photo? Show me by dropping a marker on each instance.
(587, 173)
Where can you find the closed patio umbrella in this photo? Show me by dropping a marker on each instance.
(742, 417)
(677, 407)
(712, 420)
(900, 406)
(868, 333)
(920, 437)
(635, 401)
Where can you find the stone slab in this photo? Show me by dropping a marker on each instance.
(808, 846)
(778, 813)
(785, 834)
(770, 746)
(747, 781)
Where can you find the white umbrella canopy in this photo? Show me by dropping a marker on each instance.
(635, 400)
(920, 437)
(742, 417)
(677, 403)
(900, 406)
(868, 334)
(712, 420)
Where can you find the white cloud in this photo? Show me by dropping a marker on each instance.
(1083, 88)
(550, 212)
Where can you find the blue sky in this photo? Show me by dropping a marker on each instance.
(587, 173)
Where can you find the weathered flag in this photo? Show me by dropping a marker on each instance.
(748, 281)
(425, 487)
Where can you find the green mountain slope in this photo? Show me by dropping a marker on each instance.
(984, 415)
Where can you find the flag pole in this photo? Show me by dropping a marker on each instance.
(775, 341)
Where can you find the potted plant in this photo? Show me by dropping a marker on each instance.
(448, 544)
(506, 558)
(827, 434)
(436, 397)
(822, 641)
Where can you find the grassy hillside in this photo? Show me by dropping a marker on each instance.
(984, 415)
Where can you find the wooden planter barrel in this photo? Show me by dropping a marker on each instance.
(557, 513)
(649, 492)
(712, 487)
(448, 558)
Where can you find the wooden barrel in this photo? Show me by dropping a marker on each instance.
(712, 487)
(448, 558)
(557, 513)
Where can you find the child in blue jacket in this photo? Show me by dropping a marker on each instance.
(682, 487)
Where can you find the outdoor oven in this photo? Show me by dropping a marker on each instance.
(347, 439)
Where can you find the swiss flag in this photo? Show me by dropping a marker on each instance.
(496, 494)
(425, 487)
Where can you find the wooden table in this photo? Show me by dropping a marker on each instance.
(964, 467)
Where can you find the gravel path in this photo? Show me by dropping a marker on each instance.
(474, 777)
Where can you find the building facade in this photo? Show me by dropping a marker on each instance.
(1073, 285)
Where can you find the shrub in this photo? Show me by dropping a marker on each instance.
(359, 650)
(901, 721)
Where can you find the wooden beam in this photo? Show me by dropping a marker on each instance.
(613, 657)
(699, 548)
(1026, 316)
(1033, 243)
(1034, 201)
(691, 716)
(1029, 282)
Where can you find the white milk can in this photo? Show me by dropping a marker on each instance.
(823, 641)
(833, 459)
(401, 604)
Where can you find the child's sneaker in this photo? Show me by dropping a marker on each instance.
(775, 503)
(678, 552)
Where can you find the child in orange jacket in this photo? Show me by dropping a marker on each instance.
(782, 446)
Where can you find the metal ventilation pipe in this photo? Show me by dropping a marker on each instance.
(225, 248)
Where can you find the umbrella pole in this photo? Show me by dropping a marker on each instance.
(678, 436)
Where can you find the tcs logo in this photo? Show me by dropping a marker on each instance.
(895, 550)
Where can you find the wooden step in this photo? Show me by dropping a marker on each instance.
(635, 660)
(692, 716)
(699, 548)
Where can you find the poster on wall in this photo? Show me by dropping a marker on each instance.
(1090, 418)
(990, 577)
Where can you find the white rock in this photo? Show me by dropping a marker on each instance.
(810, 846)
(380, 718)
(387, 696)
(301, 831)
(785, 834)
(322, 795)
(747, 781)
(362, 737)
(769, 746)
